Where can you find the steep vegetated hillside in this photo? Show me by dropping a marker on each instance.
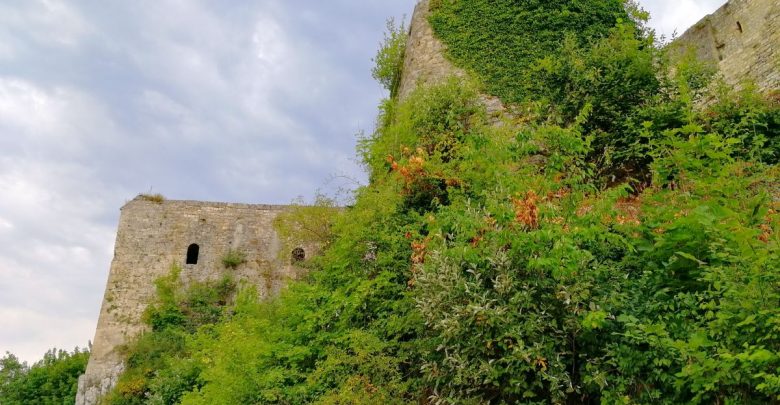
(614, 239)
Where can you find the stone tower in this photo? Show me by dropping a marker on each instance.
(425, 61)
(152, 235)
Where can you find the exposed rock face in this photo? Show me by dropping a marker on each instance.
(150, 238)
(93, 386)
(742, 38)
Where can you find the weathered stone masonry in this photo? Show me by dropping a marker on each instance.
(425, 61)
(742, 39)
(150, 238)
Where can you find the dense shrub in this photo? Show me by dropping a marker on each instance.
(516, 282)
(52, 380)
(306, 224)
(157, 365)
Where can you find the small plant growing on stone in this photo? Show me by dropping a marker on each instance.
(233, 258)
(155, 198)
(389, 60)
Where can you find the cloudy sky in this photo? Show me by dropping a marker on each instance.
(207, 100)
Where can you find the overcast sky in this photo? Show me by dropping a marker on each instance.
(234, 101)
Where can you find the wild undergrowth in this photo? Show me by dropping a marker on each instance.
(158, 364)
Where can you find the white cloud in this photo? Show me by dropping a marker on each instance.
(30, 344)
(51, 245)
(61, 121)
(5, 224)
(44, 22)
(268, 41)
(670, 16)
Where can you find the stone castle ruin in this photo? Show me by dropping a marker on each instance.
(152, 235)
(741, 39)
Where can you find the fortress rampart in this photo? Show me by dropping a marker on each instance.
(151, 237)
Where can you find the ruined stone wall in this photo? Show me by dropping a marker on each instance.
(151, 237)
(742, 38)
(425, 61)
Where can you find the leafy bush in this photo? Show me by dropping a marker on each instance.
(389, 59)
(157, 365)
(515, 282)
(751, 120)
(306, 224)
(52, 380)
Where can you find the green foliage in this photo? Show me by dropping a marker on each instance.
(389, 59)
(233, 258)
(52, 380)
(467, 273)
(501, 41)
(589, 62)
(539, 289)
(306, 224)
(158, 368)
(708, 277)
(752, 121)
(612, 80)
(285, 352)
